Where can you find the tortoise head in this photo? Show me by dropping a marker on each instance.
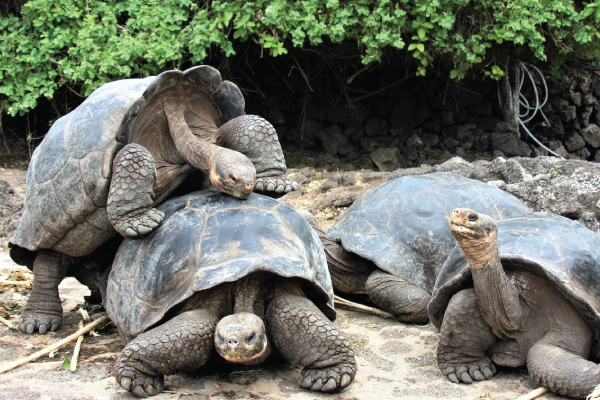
(241, 337)
(232, 173)
(476, 234)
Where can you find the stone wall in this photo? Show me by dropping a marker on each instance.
(422, 120)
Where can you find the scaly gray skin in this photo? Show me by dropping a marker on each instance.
(515, 317)
(351, 273)
(241, 155)
(296, 328)
(43, 311)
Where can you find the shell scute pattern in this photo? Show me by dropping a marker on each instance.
(402, 225)
(67, 178)
(208, 238)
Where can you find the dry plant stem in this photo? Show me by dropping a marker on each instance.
(25, 360)
(76, 350)
(16, 283)
(7, 323)
(533, 394)
(375, 311)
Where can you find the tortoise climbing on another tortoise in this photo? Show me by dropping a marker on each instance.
(523, 291)
(391, 243)
(239, 276)
(82, 184)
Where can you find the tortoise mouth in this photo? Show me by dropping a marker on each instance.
(239, 187)
(459, 229)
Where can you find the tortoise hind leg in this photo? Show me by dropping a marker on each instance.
(183, 343)
(131, 193)
(304, 336)
(560, 370)
(256, 138)
(406, 301)
(43, 311)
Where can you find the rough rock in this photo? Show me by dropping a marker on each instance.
(11, 209)
(591, 135)
(568, 114)
(376, 126)
(332, 139)
(508, 142)
(354, 133)
(574, 142)
(388, 159)
(370, 144)
(429, 139)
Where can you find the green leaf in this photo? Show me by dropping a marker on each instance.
(66, 363)
(453, 74)
(421, 47)
(421, 32)
(412, 46)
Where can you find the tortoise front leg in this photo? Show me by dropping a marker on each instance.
(256, 138)
(304, 336)
(183, 343)
(406, 301)
(131, 193)
(464, 339)
(43, 311)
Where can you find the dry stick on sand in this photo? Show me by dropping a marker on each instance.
(7, 323)
(54, 346)
(15, 283)
(533, 394)
(77, 349)
(348, 303)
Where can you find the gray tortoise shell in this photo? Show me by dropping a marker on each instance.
(69, 175)
(402, 225)
(552, 246)
(208, 238)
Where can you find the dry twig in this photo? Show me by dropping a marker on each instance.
(533, 394)
(76, 350)
(375, 311)
(16, 283)
(7, 323)
(80, 332)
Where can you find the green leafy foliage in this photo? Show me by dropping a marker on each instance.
(86, 43)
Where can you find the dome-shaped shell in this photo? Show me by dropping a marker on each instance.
(549, 245)
(208, 238)
(402, 225)
(69, 174)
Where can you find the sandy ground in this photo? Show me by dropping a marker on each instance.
(395, 360)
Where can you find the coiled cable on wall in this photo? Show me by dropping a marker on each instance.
(531, 110)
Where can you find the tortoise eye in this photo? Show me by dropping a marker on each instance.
(472, 217)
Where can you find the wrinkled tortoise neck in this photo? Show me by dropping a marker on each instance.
(249, 291)
(497, 294)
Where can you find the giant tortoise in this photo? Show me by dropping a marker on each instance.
(524, 291)
(241, 276)
(82, 183)
(392, 242)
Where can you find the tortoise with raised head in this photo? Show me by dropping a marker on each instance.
(82, 183)
(521, 292)
(244, 277)
(392, 242)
